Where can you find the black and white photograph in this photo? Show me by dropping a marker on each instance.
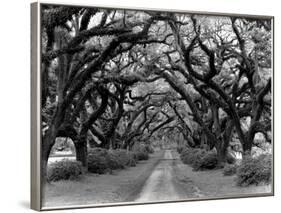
(145, 106)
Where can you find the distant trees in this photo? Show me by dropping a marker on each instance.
(111, 78)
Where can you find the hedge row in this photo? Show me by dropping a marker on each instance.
(251, 171)
(102, 160)
(200, 159)
(99, 161)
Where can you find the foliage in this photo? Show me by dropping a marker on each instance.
(133, 155)
(102, 160)
(149, 149)
(205, 161)
(98, 161)
(64, 170)
(254, 171)
(200, 159)
(141, 151)
(115, 161)
(124, 157)
(192, 156)
(142, 155)
(230, 169)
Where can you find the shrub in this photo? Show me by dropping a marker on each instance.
(144, 148)
(229, 169)
(102, 160)
(98, 161)
(114, 161)
(124, 157)
(254, 171)
(200, 159)
(141, 152)
(192, 156)
(149, 149)
(205, 161)
(142, 155)
(64, 170)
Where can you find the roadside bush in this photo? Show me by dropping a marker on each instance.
(149, 149)
(102, 160)
(64, 170)
(192, 156)
(144, 148)
(254, 171)
(141, 152)
(200, 159)
(115, 160)
(124, 157)
(205, 161)
(142, 155)
(98, 161)
(229, 169)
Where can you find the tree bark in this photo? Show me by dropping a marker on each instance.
(81, 151)
(221, 154)
(224, 143)
(48, 141)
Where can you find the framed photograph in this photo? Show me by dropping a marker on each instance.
(136, 106)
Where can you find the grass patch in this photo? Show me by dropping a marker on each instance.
(230, 169)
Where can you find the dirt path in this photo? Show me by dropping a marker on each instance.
(159, 185)
(163, 184)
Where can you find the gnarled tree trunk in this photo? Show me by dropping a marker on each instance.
(81, 151)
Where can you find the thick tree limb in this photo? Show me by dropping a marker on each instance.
(94, 116)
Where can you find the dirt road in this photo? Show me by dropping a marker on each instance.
(164, 184)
